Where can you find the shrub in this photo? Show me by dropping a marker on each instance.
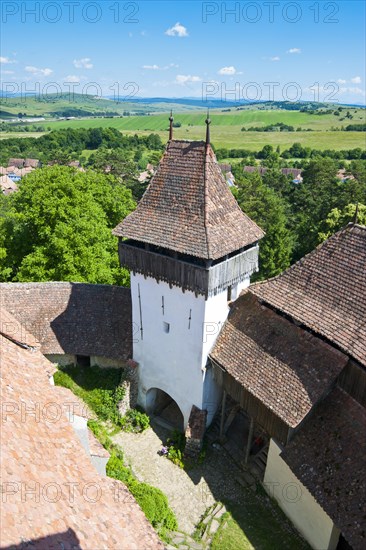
(135, 421)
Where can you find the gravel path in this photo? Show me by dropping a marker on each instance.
(189, 493)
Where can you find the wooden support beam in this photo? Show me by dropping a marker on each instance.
(222, 419)
(250, 438)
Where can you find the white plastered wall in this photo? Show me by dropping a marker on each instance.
(175, 341)
(297, 502)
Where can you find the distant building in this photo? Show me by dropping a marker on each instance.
(23, 163)
(7, 185)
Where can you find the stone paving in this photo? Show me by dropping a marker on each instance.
(190, 493)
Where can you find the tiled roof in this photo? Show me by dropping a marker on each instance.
(189, 208)
(326, 291)
(283, 366)
(73, 318)
(329, 457)
(19, 163)
(7, 185)
(52, 495)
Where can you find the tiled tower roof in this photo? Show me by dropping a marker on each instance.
(188, 207)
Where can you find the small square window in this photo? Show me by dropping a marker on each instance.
(166, 327)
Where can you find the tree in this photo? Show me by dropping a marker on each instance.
(268, 210)
(313, 199)
(340, 218)
(57, 227)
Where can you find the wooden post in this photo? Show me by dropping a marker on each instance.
(222, 419)
(249, 442)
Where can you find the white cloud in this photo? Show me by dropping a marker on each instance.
(341, 81)
(227, 70)
(183, 79)
(356, 80)
(6, 60)
(275, 58)
(294, 50)
(177, 30)
(84, 63)
(7, 72)
(158, 68)
(38, 72)
(73, 78)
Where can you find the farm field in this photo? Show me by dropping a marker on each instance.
(226, 128)
(8, 135)
(233, 138)
(246, 118)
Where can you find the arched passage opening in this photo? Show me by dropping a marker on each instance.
(162, 407)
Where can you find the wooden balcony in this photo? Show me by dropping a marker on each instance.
(188, 275)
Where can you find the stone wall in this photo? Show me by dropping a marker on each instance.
(130, 382)
(195, 432)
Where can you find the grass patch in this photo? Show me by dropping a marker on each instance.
(256, 523)
(101, 391)
(99, 388)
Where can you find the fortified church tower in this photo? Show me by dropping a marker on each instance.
(190, 250)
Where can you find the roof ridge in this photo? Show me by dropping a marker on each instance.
(205, 199)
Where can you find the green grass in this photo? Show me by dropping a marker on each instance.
(99, 388)
(254, 525)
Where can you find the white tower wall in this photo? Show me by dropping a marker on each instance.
(178, 332)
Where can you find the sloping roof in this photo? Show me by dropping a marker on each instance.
(7, 184)
(19, 163)
(54, 498)
(189, 208)
(73, 318)
(329, 457)
(34, 163)
(326, 291)
(283, 366)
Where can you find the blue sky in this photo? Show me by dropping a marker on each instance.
(242, 50)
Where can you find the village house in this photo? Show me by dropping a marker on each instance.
(14, 172)
(283, 360)
(7, 185)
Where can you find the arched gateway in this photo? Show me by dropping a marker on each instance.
(162, 406)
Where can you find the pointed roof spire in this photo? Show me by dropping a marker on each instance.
(208, 122)
(171, 126)
(356, 215)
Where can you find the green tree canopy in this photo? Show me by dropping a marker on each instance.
(340, 218)
(319, 193)
(268, 210)
(57, 227)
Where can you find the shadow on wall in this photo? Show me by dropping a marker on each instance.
(97, 321)
(68, 539)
